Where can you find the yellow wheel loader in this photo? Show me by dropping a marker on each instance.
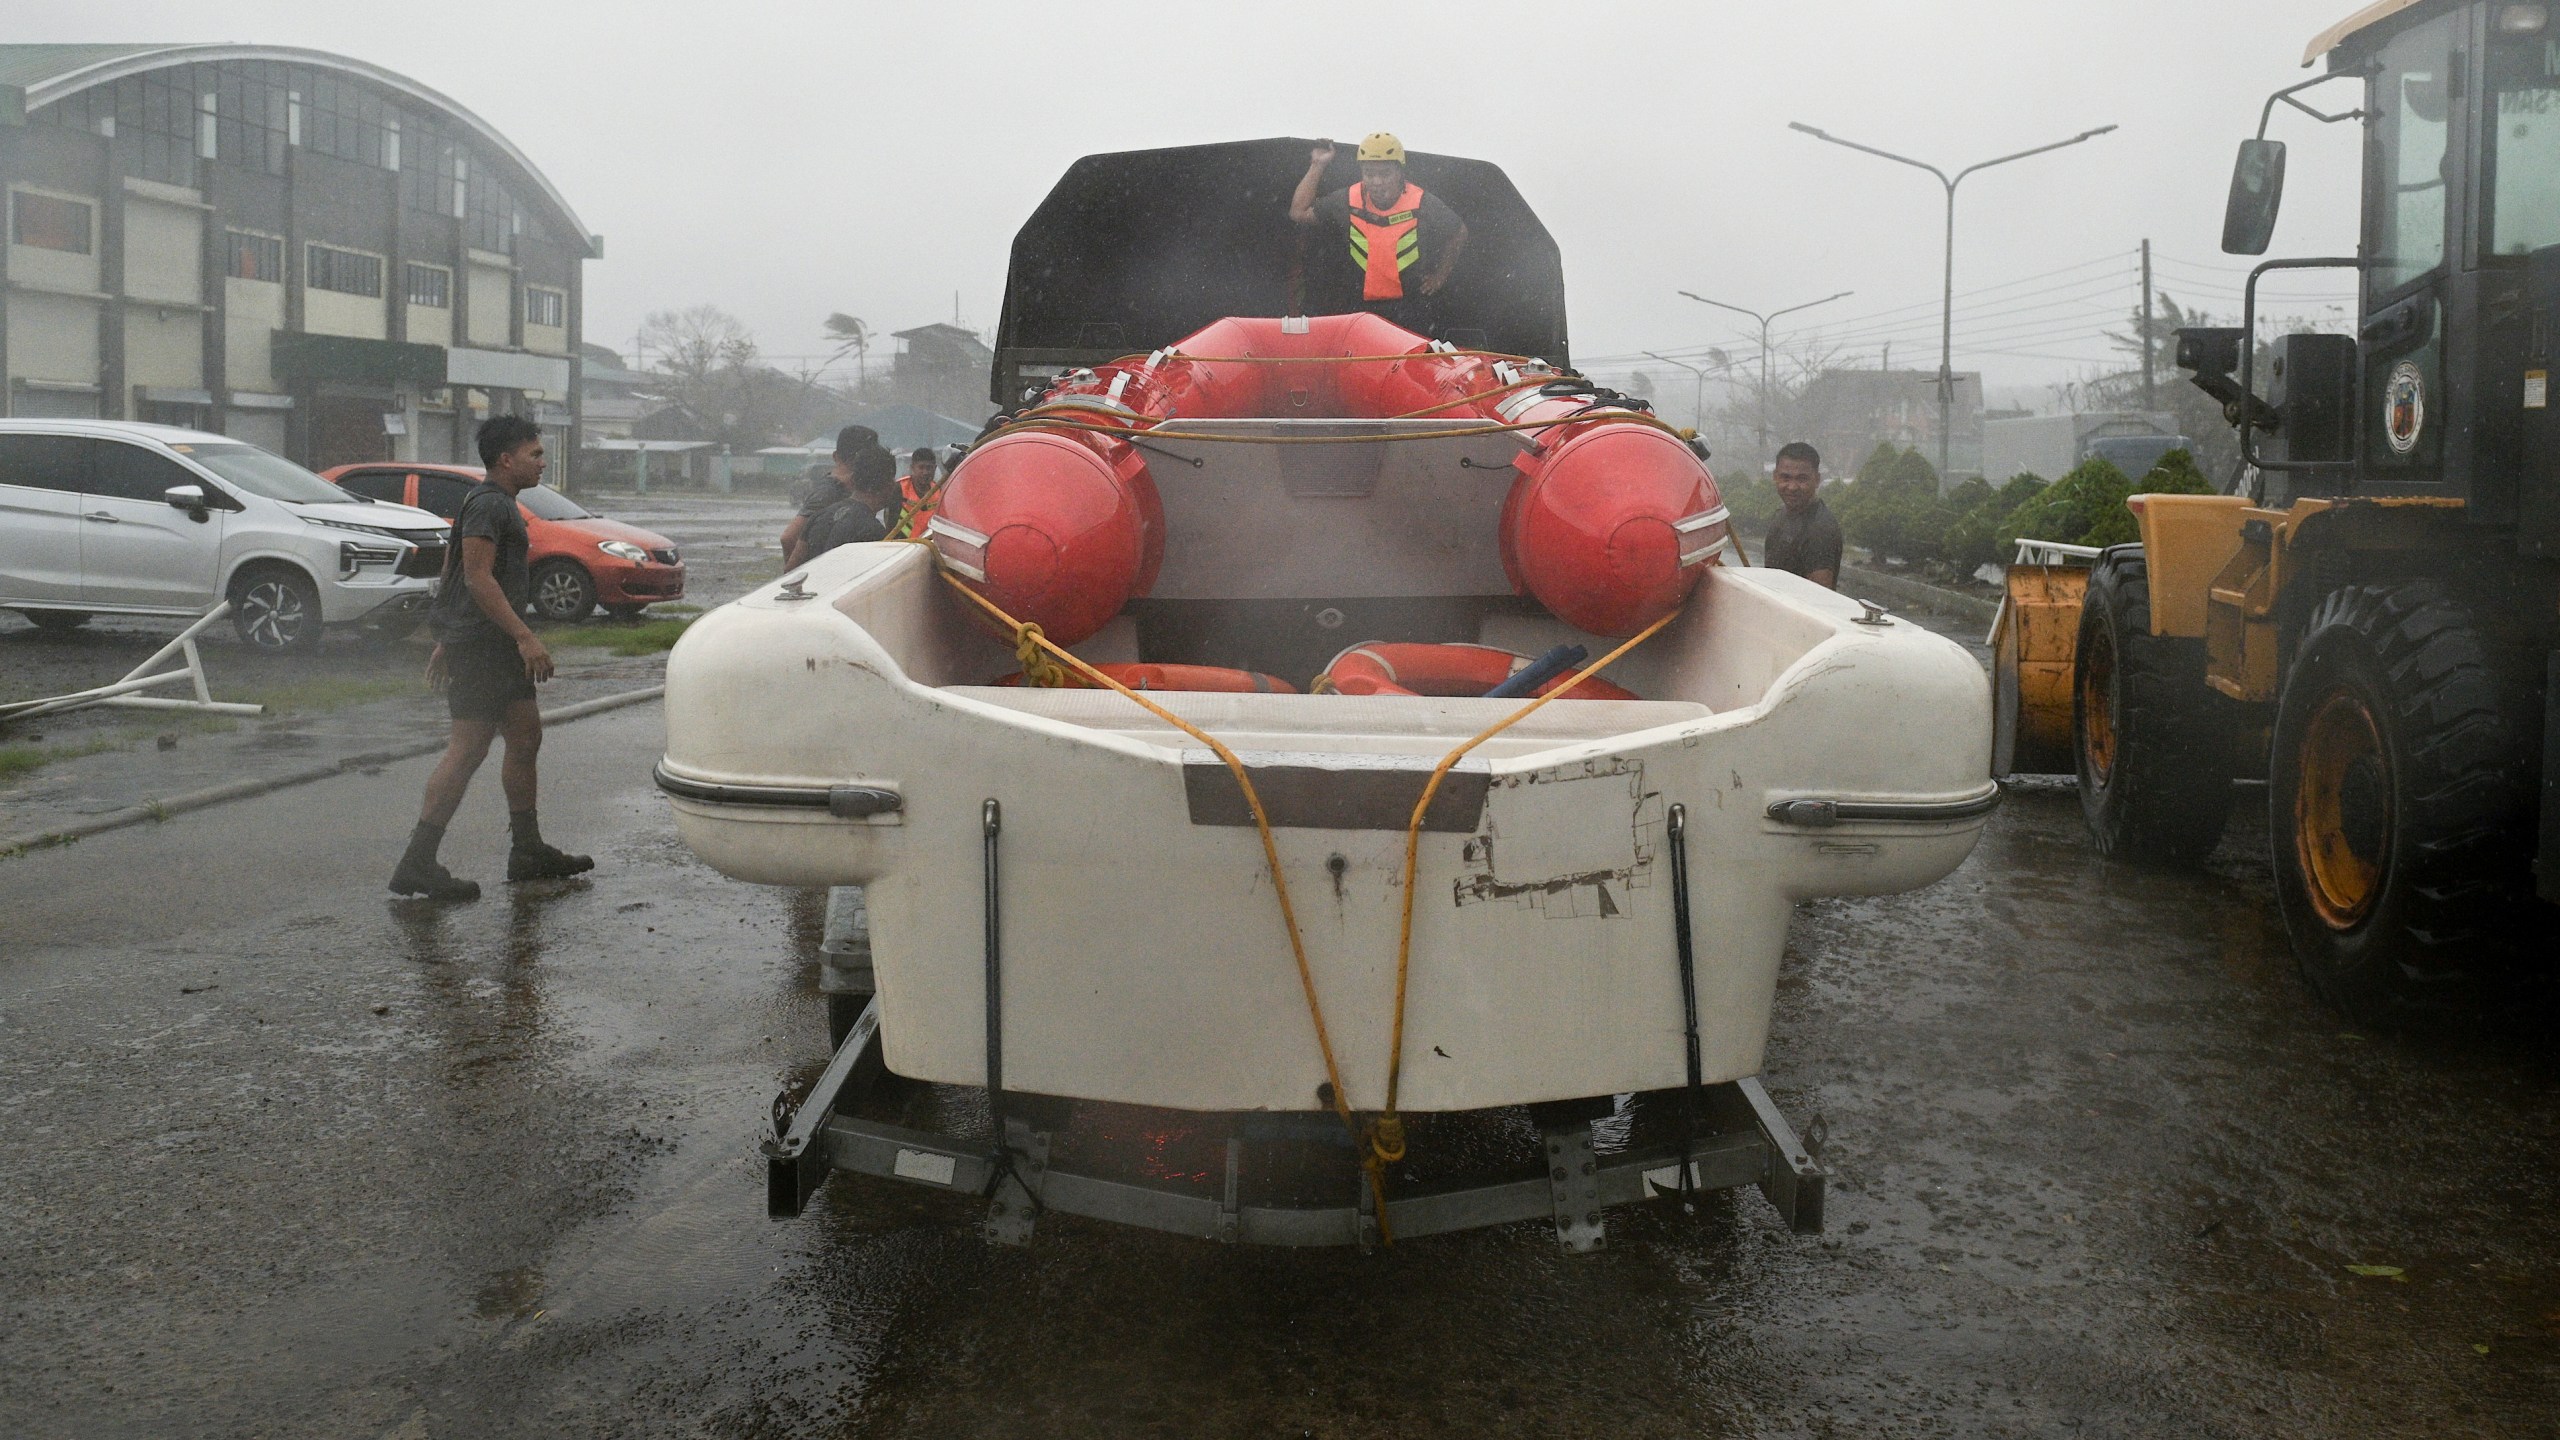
(2373, 626)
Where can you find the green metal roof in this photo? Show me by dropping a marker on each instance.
(38, 75)
(27, 66)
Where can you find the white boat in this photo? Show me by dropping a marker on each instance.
(847, 725)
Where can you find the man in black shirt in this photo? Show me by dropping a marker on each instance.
(487, 661)
(1806, 540)
(858, 450)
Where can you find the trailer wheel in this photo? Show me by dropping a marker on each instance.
(2400, 804)
(2154, 745)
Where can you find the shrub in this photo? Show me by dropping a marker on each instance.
(1894, 508)
(1753, 499)
(1973, 536)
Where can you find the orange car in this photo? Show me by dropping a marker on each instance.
(579, 560)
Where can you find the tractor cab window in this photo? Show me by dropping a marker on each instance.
(2411, 118)
(2523, 189)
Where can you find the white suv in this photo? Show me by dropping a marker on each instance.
(104, 517)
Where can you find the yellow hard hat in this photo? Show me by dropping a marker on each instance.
(1382, 146)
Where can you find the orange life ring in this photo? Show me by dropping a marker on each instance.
(1182, 677)
(1394, 668)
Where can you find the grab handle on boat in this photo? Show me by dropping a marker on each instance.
(1821, 814)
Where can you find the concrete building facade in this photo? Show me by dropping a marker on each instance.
(298, 249)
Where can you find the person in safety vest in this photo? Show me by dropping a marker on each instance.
(919, 494)
(1392, 246)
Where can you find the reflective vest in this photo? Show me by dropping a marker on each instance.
(917, 510)
(1385, 246)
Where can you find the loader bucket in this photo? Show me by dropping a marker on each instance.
(2032, 644)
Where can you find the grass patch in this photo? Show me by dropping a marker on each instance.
(647, 638)
(675, 607)
(17, 761)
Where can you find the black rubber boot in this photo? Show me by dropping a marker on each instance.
(418, 872)
(530, 859)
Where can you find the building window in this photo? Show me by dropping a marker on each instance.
(429, 285)
(348, 272)
(50, 222)
(255, 257)
(546, 307)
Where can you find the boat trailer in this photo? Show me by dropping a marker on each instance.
(1732, 1135)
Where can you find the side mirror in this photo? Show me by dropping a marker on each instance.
(189, 498)
(2257, 189)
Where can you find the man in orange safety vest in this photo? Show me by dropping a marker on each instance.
(1401, 243)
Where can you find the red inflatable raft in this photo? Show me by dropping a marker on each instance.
(1609, 520)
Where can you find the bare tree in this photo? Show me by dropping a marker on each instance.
(695, 344)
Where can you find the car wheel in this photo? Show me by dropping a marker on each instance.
(562, 591)
(56, 619)
(625, 612)
(276, 610)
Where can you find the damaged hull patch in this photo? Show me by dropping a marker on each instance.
(1575, 844)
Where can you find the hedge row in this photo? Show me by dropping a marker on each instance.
(1894, 509)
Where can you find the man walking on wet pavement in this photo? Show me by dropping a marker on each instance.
(487, 661)
(1806, 540)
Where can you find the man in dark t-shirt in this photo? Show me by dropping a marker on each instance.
(1382, 245)
(487, 661)
(1806, 540)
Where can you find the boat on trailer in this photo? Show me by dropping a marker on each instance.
(1259, 910)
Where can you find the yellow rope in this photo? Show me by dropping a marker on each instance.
(1386, 1134)
(1385, 1140)
(1028, 639)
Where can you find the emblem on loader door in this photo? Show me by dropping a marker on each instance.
(2404, 407)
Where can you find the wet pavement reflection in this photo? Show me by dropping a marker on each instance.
(288, 1157)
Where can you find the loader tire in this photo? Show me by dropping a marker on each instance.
(2400, 801)
(2155, 747)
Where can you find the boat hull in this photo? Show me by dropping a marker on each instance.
(1144, 957)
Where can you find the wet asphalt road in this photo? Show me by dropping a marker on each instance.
(286, 1158)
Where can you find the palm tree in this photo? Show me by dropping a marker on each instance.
(852, 337)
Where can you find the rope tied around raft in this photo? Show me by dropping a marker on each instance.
(1037, 668)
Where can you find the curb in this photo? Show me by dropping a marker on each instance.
(1919, 595)
(210, 796)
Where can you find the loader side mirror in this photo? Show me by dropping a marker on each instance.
(2257, 189)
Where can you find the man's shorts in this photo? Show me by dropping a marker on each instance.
(486, 679)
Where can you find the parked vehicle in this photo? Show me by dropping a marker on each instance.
(102, 517)
(579, 559)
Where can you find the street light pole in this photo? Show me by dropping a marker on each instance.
(1947, 306)
(1698, 402)
(1764, 346)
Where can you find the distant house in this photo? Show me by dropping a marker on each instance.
(942, 368)
(905, 427)
(612, 395)
(1847, 413)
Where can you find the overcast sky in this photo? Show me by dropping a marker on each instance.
(787, 160)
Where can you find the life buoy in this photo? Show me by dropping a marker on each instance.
(1216, 678)
(1405, 668)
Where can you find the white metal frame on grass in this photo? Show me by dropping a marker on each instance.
(125, 692)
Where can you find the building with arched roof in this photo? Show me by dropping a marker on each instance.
(300, 249)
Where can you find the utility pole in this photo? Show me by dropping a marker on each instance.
(2149, 403)
(1698, 402)
(1764, 348)
(1947, 310)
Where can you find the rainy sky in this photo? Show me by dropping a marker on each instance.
(787, 160)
